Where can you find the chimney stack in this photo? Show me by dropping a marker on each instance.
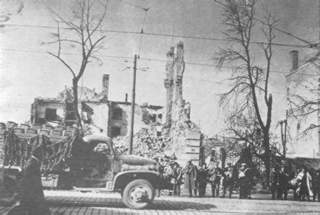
(105, 86)
(126, 98)
(294, 59)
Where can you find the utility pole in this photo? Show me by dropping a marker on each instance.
(318, 107)
(285, 135)
(133, 102)
(283, 127)
(318, 83)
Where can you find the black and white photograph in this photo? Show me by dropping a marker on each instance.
(180, 107)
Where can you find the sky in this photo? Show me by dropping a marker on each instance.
(27, 71)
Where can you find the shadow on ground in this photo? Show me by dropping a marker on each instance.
(117, 203)
(68, 211)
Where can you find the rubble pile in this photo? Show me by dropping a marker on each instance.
(146, 143)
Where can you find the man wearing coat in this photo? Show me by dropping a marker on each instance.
(283, 184)
(31, 196)
(244, 181)
(190, 180)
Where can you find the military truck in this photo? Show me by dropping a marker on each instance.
(88, 163)
(95, 164)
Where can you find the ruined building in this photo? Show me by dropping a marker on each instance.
(177, 109)
(97, 111)
(185, 135)
(303, 112)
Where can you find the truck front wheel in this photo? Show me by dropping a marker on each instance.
(138, 194)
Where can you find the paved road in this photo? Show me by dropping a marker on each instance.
(76, 203)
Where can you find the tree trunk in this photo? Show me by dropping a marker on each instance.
(267, 156)
(75, 102)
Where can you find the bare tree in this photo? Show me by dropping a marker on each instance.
(83, 30)
(303, 96)
(250, 81)
(244, 128)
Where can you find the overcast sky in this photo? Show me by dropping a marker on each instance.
(27, 71)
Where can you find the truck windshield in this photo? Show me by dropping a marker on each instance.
(102, 148)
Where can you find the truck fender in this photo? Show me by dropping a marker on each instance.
(123, 178)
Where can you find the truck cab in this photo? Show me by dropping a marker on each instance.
(96, 165)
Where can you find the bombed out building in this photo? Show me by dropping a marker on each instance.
(97, 111)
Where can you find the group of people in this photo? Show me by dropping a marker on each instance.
(304, 182)
(223, 181)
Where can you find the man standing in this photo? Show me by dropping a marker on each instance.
(169, 177)
(202, 179)
(214, 179)
(244, 181)
(275, 183)
(190, 181)
(178, 179)
(228, 181)
(31, 197)
(283, 184)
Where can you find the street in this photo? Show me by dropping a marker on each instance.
(76, 203)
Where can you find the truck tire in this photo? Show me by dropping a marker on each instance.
(138, 194)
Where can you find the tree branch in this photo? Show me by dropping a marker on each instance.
(64, 63)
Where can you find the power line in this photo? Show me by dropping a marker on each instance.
(222, 83)
(160, 35)
(129, 58)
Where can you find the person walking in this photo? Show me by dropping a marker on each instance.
(190, 181)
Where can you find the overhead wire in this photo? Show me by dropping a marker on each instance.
(160, 35)
(129, 58)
